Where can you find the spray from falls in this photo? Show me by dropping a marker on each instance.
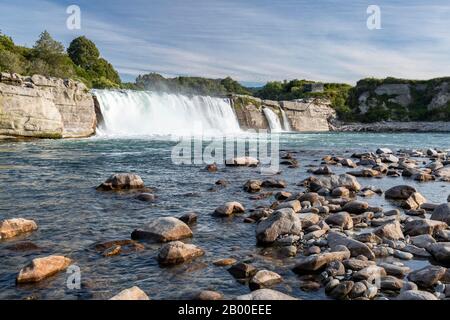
(127, 112)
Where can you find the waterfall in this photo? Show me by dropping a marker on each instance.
(273, 120)
(127, 112)
(286, 124)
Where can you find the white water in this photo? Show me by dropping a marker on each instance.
(273, 120)
(286, 124)
(133, 113)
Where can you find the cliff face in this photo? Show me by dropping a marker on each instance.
(44, 107)
(303, 116)
(401, 100)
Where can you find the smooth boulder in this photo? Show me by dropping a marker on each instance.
(122, 181)
(163, 229)
(265, 294)
(442, 213)
(133, 293)
(229, 209)
(14, 227)
(401, 192)
(281, 222)
(41, 268)
(178, 252)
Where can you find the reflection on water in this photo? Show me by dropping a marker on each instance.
(53, 183)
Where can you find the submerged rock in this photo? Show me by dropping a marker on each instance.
(41, 268)
(122, 181)
(224, 262)
(178, 252)
(146, 197)
(163, 230)
(14, 227)
(189, 218)
(134, 293)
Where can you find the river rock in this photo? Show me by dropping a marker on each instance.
(414, 201)
(281, 222)
(41, 268)
(340, 219)
(427, 277)
(391, 231)
(115, 247)
(416, 251)
(282, 195)
(14, 227)
(356, 248)
(394, 270)
(334, 181)
(422, 241)
(383, 151)
(122, 181)
(274, 183)
(369, 273)
(440, 251)
(356, 264)
(265, 294)
(134, 293)
(293, 204)
(224, 262)
(319, 261)
(416, 295)
(146, 197)
(229, 209)
(391, 283)
(178, 252)
(423, 226)
(189, 218)
(368, 237)
(442, 213)
(403, 255)
(342, 290)
(252, 186)
(264, 278)
(340, 192)
(401, 192)
(309, 219)
(242, 161)
(358, 290)
(242, 270)
(163, 230)
(356, 207)
(207, 295)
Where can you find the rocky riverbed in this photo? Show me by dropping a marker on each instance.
(346, 224)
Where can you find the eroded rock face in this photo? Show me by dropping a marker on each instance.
(41, 268)
(163, 230)
(122, 181)
(44, 107)
(178, 252)
(134, 293)
(281, 222)
(14, 227)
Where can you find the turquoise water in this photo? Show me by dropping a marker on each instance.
(53, 182)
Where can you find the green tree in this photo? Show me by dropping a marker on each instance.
(48, 58)
(83, 52)
(11, 62)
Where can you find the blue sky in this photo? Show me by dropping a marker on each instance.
(252, 41)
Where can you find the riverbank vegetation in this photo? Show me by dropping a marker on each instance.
(48, 57)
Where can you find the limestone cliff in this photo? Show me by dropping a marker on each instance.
(42, 107)
(400, 100)
(304, 115)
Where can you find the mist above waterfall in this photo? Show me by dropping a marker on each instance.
(132, 113)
